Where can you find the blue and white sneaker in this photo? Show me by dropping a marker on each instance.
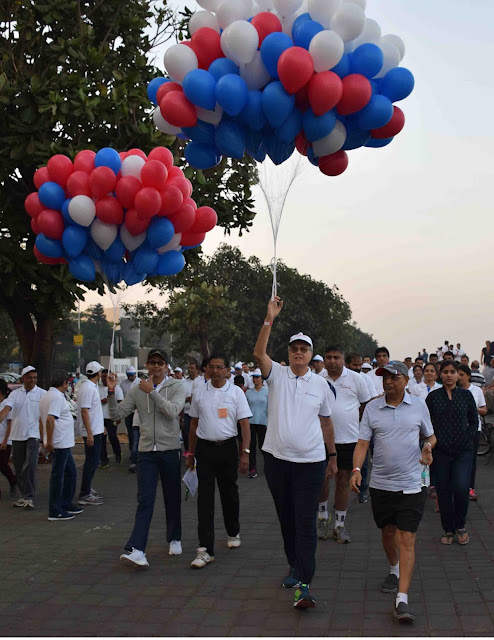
(303, 599)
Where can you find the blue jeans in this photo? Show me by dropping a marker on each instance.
(186, 430)
(62, 482)
(452, 475)
(136, 434)
(93, 455)
(152, 465)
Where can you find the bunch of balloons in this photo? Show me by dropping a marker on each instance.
(269, 76)
(124, 215)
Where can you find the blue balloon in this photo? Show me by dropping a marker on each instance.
(367, 60)
(131, 276)
(260, 154)
(52, 195)
(277, 151)
(108, 157)
(376, 114)
(397, 84)
(374, 143)
(290, 128)
(222, 67)
(253, 141)
(153, 86)
(252, 115)
(203, 132)
(355, 137)
(277, 104)
(317, 127)
(170, 263)
(305, 32)
(112, 271)
(48, 246)
(82, 268)
(201, 156)
(272, 47)
(313, 159)
(342, 69)
(375, 86)
(304, 17)
(145, 260)
(93, 251)
(230, 139)
(232, 93)
(74, 240)
(115, 251)
(200, 88)
(160, 232)
(65, 213)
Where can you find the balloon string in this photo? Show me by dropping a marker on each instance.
(274, 288)
(112, 346)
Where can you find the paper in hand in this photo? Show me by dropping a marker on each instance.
(190, 480)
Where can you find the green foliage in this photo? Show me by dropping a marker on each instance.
(9, 345)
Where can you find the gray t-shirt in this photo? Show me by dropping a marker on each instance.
(396, 432)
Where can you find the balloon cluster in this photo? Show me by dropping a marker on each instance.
(270, 76)
(124, 215)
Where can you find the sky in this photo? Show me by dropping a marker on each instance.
(405, 232)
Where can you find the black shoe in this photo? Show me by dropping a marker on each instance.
(74, 509)
(390, 585)
(133, 468)
(290, 580)
(119, 459)
(104, 464)
(362, 497)
(402, 613)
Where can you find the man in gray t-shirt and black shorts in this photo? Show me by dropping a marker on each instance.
(396, 422)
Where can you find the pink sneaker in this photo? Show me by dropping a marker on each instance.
(472, 495)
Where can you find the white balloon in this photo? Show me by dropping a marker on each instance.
(395, 41)
(392, 58)
(326, 49)
(242, 40)
(286, 7)
(348, 22)
(323, 10)
(179, 60)
(371, 33)
(332, 142)
(164, 126)
(202, 19)
(82, 210)
(230, 11)
(265, 5)
(103, 234)
(213, 117)
(129, 241)
(132, 166)
(361, 3)
(209, 5)
(172, 245)
(249, 7)
(255, 74)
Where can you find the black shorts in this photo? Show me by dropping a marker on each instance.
(345, 456)
(405, 511)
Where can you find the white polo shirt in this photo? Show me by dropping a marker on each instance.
(3, 424)
(24, 413)
(323, 373)
(377, 381)
(295, 403)
(88, 398)
(478, 396)
(421, 390)
(188, 392)
(54, 403)
(370, 384)
(126, 385)
(219, 410)
(103, 394)
(351, 392)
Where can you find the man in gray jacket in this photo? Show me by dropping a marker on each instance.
(158, 402)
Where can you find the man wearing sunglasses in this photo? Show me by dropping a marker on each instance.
(299, 424)
(158, 401)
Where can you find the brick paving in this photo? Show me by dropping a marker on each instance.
(64, 579)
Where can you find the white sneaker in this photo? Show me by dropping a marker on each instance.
(94, 493)
(175, 548)
(233, 542)
(20, 502)
(90, 499)
(136, 558)
(29, 504)
(202, 559)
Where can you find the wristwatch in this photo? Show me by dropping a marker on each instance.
(332, 455)
(246, 450)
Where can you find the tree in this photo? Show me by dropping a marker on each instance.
(73, 75)
(9, 346)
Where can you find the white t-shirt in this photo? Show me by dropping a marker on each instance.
(458, 353)
(370, 384)
(351, 392)
(377, 381)
(249, 383)
(3, 424)
(198, 384)
(478, 396)
(421, 390)
(126, 385)
(88, 398)
(188, 392)
(323, 373)
(24, 413)
(295, 403)
(219, 410)
(103, 394)
(54, 403)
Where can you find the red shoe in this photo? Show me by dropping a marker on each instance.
(472, 495)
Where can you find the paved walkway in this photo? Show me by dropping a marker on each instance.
(65, 578)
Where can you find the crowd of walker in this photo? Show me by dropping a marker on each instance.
(313, 418)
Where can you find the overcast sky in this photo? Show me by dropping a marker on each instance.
(406, 232)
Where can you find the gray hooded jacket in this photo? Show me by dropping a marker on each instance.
(158, 414)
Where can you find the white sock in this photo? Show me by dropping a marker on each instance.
(340, 518)
(323, 510)
(395, 569)
(401, 597)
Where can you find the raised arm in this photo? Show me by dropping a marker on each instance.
(260, 350)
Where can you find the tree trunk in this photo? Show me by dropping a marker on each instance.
(203, 337)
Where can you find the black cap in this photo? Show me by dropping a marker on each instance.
(157, 352)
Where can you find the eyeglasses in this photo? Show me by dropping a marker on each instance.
(215, 367)
(157, 363)
(294, 349)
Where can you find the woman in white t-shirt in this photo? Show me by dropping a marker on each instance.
(418, 376)
(5, 441)
(429, 383)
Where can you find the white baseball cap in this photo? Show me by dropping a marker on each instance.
(367, 365)
(177, 370)
(238, 365)
(130, 371)
(302, 338)
(27, 369)
(93, 367)
(318, 358)
(256, 372)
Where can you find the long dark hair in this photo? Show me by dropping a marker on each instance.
(4, 388)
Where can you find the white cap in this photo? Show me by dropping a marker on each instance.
(302, 337)
(256, 372)
(131, 371)
(367, 365)
(177, 370)
(238, 365)
(318, 358)
(232, 370)
(27, 369)
(93, 367)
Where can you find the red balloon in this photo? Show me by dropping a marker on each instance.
(207, 47)
(40, 177)
(33, 205)
(393, 128)
(78, 184)
(335, 164)
(102, 181)
(295, 68)
(123, 155)
(302, 99)
(84, 161)
(177, 110)
(324, 92)
(35, 226)
(162, 154)
(357, 92)
(302, 144)
(126, 190)
(60, 167)
(147, 202)
(191, 203)
(171, 200)
(175, 172)
(137, 152)
(189, 184)
(266, 23)
(206, 220)
(183, 219)
(190, 239)
(154, 174)
(134, 223)
(168, 87)
(50, 222)
(45, 259)
(109, 210)
(181, 184)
